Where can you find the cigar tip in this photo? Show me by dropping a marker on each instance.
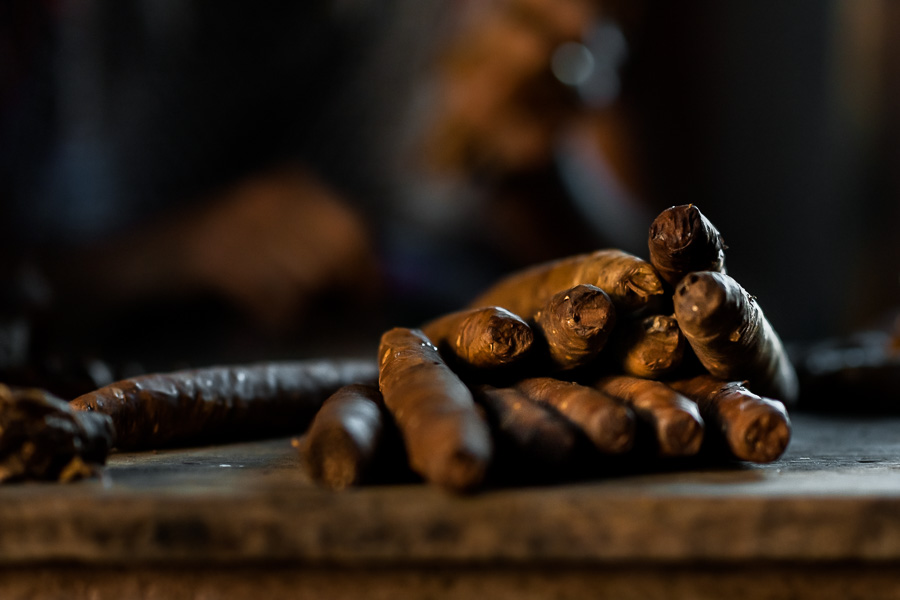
(674, 228)
(765, 438)
(680, 435)
(612, 431)
(699, 296)
(463, 471)
(507, 339)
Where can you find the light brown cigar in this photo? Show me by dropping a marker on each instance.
(652, 347)
(448, 442)
(575, 325)
(630, 282)
(221, 403)
(674, 419)
(731, 336)
(344, 437)
(753, 428)
(682, 240)
(608, 423)
(482, 338)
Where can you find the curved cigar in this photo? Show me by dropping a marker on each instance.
(575, 324)
(447, 441)
(529, 435)
(682, 240)
(630, 282)
(731, 336)
(753, 428)
(344, 437)
(652, 347)
(675, 419)
(482, 338)
(220, 403)
(42, 437)
(608, 423)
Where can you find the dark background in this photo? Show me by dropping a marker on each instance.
(779, 120)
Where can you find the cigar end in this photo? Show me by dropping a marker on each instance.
(612, 431)
(680, 435)
(764, 437)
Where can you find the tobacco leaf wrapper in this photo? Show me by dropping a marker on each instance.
(750, 427)
(345, 437)
(575, 325)
(632, 283)
(448, 442)
(731, 336)
(682, 240)
(43, 438)
(221, 403)
(674, 419)
(606, 422)
(481, 338)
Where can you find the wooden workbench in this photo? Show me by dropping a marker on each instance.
(242, 520)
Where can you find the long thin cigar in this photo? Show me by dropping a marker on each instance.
(608, 423)
(482, 338)
(221, 403)
(753, 428)
(630, 282)
(575, 324)
(345, 437)
(675, 420)
(447, 441)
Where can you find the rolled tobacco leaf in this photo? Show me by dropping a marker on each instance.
(731, 336)
(221, 403)
(529, 437)
(608, 423)
(682, 240)
(674, 419)
(481, 338)
(343, 441)
(43, 438)
(448, 442)
(575, 325)
(652, 347)
(750, 427)
(630, 282)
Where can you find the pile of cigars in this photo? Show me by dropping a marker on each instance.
(591, 364)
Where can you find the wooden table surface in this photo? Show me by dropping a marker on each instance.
(242, 520)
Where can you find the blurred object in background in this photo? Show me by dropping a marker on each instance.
(185, 183)
(776, 119)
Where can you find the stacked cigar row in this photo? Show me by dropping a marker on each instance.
(571, 367)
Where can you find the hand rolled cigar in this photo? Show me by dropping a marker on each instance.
(630, 282)
(682, 240)
(651, 347)
(43, 438)
(482, 338)
(529, 436)
(575, 325)
(753, 428)
(674, 419)
(221, 403)
(731, 336)
(344, 438)
(448, 442)
(608, 423)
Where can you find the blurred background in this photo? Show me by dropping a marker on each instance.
(186, 182)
